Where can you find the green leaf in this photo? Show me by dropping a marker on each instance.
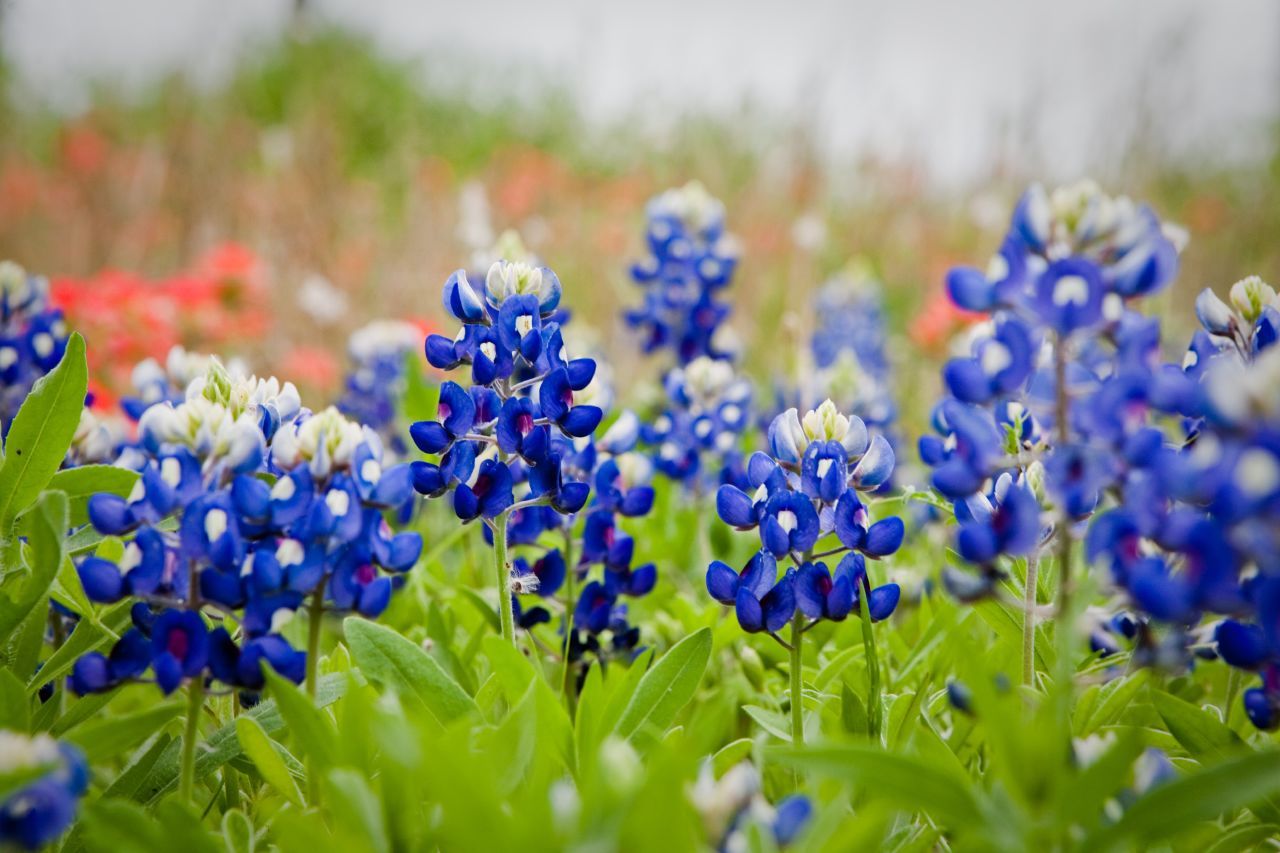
(853, 713)
(41, 434)
(1206, 739)
(1201, 734)
(730, 755)
(356, 812)
(514, 670)
(667, 687)
(111, 736)
(224, 745)
(265, 755)
(772, 722)
(69, 592)
(127, 783)
(183, 828)
(15, 712)
(1174, 806)
(309, 726)
(396, 661)
(237, 832)
(904, 781)
(1112, 701)
(46, 559)
(80, 484)
(118, 826)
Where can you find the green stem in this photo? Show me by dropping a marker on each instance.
(797, 693)
(873, 662)
(570, 581)
(315, 620)
(1029, 621)
(187, 773)
(502, 574)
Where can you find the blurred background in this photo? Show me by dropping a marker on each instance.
(336, 160)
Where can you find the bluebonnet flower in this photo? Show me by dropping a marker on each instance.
(156, 383)
(375, 383)
(272, 505)
(806, 492)
(1062, 386)
(37, 814)
(696, 439)
(33, 337)
(505, 445)
(691, 259)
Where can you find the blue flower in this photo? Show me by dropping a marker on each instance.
(179, 648)
(1008, 525)
(761, 600)
(241, 666)
(487, 495)
(518, 432)
(1000, 364)
(1069, 295)
(819, 596)
(456, 415)
(788, 523)
(555, 400)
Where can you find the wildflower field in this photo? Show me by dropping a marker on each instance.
(617, 519)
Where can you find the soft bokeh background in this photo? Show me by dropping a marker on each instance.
(356, 152)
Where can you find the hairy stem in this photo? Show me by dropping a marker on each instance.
(187, 774)
(503, 576)
(797, 694)
(1028, 620)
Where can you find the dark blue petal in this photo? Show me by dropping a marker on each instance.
(882, 601)
(722, 582)
(884, 537)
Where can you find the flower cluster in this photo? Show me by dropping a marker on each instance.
(511, 431)
(37, 814)
(806, 489)
(33, 337)
(376, 382)
(691, 259)
(696, 439)
(1051, 401)
(245, 506)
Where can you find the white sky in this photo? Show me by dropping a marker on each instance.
(953, 83)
